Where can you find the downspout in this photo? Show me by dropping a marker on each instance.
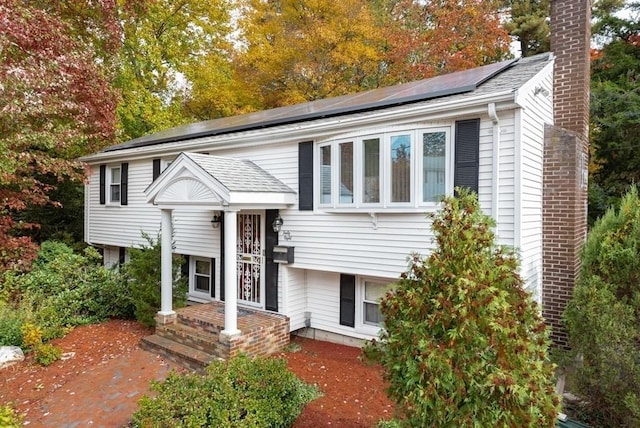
(495, 206)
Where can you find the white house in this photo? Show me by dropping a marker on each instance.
(311, 210)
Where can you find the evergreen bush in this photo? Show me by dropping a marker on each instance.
(603, 318)
(143, 273)
(463, 344)
(65, 289)
(241, 392)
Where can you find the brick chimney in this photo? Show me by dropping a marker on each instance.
(566, 157)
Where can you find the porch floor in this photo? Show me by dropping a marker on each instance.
(194, 340)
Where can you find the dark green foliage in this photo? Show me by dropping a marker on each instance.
(143, 273)
(242, 392)
(615, 111)
(10, 323)
(603, 317)
(65, 289)
(529, 24)
(464, 345)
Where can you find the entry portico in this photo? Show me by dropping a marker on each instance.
(203, 182)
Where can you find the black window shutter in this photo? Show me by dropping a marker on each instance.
(184, 267)
(222, 282)
(347, 300)
(271, 268)
(121, 255)
(124, 184)
(212, 278)
(156, 169)
(467, 156)
(103, 184)
(305, 176)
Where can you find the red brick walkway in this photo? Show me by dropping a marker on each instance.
(105, 396)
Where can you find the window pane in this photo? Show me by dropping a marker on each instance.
(346, 173)
(115, 193)
(203, 267)
(372, 314)
(401, 168)
(325, 175)
(371, 182)
(433, 164)
(373, 292)
(115, 175)
(202, 283)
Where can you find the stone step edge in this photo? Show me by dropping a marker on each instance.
(169, 347)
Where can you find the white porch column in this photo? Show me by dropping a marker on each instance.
(230, 273)
(166, 283)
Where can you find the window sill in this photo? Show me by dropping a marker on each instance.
(380, 210)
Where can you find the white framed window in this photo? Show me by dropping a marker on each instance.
(326, 176)
(371, 170)
(115, 184)
(434, 163)
(345, 164)
(411, 168)
(400, 169)
(371, 294)
(200, 281)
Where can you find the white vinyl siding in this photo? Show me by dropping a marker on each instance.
(537, 112)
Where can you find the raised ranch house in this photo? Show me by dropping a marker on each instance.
(297, 218)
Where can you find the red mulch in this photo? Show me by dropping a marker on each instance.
(102, 382)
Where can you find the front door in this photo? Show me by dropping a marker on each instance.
(250, 259)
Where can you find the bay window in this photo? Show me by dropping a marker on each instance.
(403, 170)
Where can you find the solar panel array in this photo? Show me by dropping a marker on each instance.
(421, 90)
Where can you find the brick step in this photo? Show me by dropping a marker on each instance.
(193, 337)
(183, 355)
(197, 323)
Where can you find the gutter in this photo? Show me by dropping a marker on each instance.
(495, 206)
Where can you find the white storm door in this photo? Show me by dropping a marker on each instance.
(250, 260)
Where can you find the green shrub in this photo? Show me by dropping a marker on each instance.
(47, 354)
(143, 274)
(603, 316)
(464, 345)
(242, 392)
(9, 418)
(67, 289)
(10, 326)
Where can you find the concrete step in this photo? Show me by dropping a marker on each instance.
(193, 337)
(193, 359)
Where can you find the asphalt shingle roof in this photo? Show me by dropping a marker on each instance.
(239, 175)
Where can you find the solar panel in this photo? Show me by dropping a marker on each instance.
(421, 90)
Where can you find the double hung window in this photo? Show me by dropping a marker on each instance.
(114, 184)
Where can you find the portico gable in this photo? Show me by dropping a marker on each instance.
(197, 181)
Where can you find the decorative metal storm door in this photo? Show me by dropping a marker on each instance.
(250, 259)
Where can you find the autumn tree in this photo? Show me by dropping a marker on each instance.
(294, 51)
(57, 103)
(175, 65)
(427, 38)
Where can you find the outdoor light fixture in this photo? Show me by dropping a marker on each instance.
(277, 223)
(215, 221)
